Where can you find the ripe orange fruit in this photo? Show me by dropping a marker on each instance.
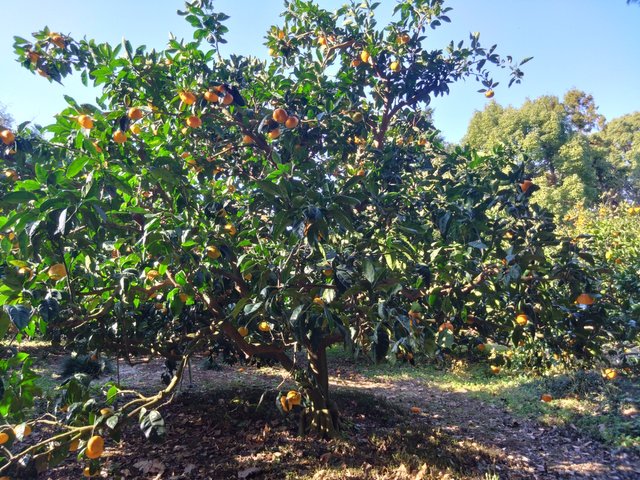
(244, 331)
(87, 472)
(285, 404)
(106, 411)
(273, 134)
(194, 121)
(135, 129)
(489, 93)
(322, 41)
(481, 347)
(4, 438)
(264, 327)
(495, 369)
(57, 40)
(365, 56)
(7, 137)
(119, 136)
(395, 66)
(57, 271)
(187, 97)
(152, 274)
(25, 272)
(134, 113)
(230, 229)
(546, 397)
(248, 140)
(292, 122)
(294, 397)
(95, 447)
(446, 326)
(403, 38)
(522, 319)
(213, 252)
(211, 97)
(609, 373)
(356, 62)
(585, 299)
(227, 99)
(85, 121)
(361, 172)
(327, 272)
(526, 185)
(318, 301)
(73, 446)
(280, 115)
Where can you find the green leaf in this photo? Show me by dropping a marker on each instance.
(76, 166)
(16, 198)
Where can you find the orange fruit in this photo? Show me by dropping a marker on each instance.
(244, 331)
(230, 229)
(280, 115)
(248, 140)
(609, 373)
(97, 147)
(106, 411)
(25, 272)
(294, 397)
(7, 137)
(546, 397)
(481, 347)
(495, 369)
(187, 97)
(227, 99)
(85, 121)
(327, 272)
(213, 252)
(211, 97)
(273, 134)
(522, 319)
(292, 122)
(361, 172)
(489, 93)
(152, 274)
(135, 129)
(273, 52)
(87, 472)
(264, 327)
(73, 446)
(356, 62)
(585, 299)
(119, 136)
(365, 56)
(318, 301)
(134, 113)
(322, 41)
(95, 447)
(4, 438)
(395, 66)
(194, 121)
(247, 276)
(285, 404)
(415, 410)
(403, 38)
(11, 174)
(446, 326)
(57, 271)
(526, 185)
(57, 40)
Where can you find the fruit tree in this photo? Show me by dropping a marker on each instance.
(271, 206)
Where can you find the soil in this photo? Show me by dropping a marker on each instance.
(223, 424)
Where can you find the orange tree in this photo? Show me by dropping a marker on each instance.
(298, 202)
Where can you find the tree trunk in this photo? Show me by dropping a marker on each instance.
(322, 416)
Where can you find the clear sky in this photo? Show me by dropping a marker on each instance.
(593, 45)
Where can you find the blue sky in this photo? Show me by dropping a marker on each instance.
(593, 45)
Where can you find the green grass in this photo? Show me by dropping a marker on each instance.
(608, 411)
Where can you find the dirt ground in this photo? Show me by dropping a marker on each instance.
(224, 425)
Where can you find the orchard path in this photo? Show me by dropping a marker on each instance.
(485, 437)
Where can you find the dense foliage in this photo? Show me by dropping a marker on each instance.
(214, 203)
